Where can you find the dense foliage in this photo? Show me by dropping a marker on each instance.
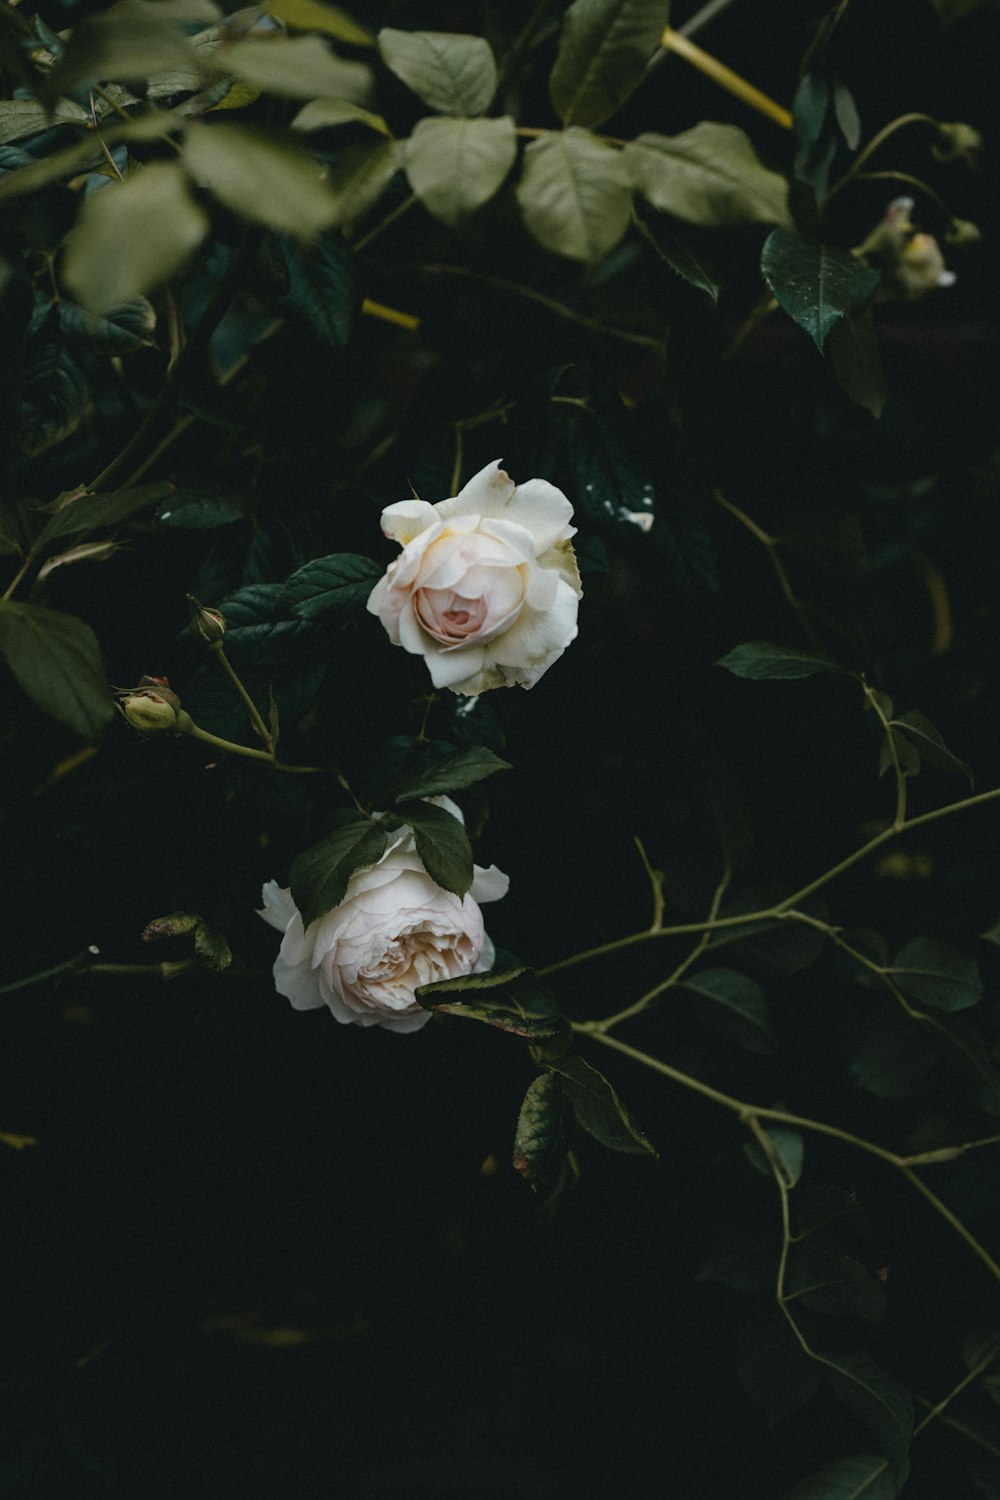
(279, 289)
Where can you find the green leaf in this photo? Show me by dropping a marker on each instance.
(252, 629)
(837, 1285)
(598, 1108)
(513, 984)
(771, 1365)
(681, 259)
(921, 733)
(857, 362)
(574, 194)
(935, 974)
(459, 769)
(604, 47)
(880, 1401)
(329, 585)
(894, 1055)
(154, 126)
(762, 661)
(453, 73)
(846, 111)
(127, 42)
(131, 236)
(90, 512)
(210, 947)
(708, 175)
(301, 67)
(907, 754)
(57, 662)
(533, 1028)
(262, 176)
(319, 876)
(359, 175)
(53, 399)
(542, 1137)
(861, 1477)
(789, 1149)
(741, 1010)
(320, 114)
(24, 117)
(120, 331)
(442, 844)
(321, 285)
(815, 284)
(965, 1050)
(456, 165)
(312, 15)
(201, 510)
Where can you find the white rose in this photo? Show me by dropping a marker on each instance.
(486, 587)
(394, 930)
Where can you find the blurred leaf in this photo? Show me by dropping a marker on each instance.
(542, 1137)
(741, 1010)
(828, 1282)
(456, 165)
(321, 284)
(121, 330)
(598, 1108)
(57, 662)
(127, 42)
(771, 1365)
(893, 1056)
(857, 362)
(301, 67)
(459, 769)
(575, 194)
(906, 753)
(53, 399)
(709, 175)
(89, 512)
(319, 114)
(442, 844)
(319, 876)
(260, 175)
(864, 1477)
(329, 585)
(23, 117)
(312, 15)
(132, 236)
(681, 259)
(880, 1401)
(358, 175)
(453, 73)
(965, 1049)
(604, 47)
(935, 974)
(921, 733)
(789, 1149)
(847, 114)
(762, 661)
(815, 284)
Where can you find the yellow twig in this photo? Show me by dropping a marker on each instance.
(672, 41)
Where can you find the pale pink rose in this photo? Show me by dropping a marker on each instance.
(395, 930)
(486, 587)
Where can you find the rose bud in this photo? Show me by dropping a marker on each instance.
(161, 686)
(149, 710)
(210, 624)
(921, 267)
(957, 141)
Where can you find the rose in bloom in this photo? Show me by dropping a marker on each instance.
(486, 587)
(394, 930)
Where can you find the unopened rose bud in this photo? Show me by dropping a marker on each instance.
(921, 267)
(957, 141)
(161, 686)
(963, 232)
(210, 624)
(149, 710)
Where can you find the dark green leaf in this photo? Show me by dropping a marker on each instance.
(534, 1028)
(610, 485)
(358, 175)
(575, 194)
(442, 844)
(789, 1150)
(126, 43)
(453, 73)
(893, 1057)
(935, 974)
(513, 984)
(121, 330)
(201, 510)
(828, 1282)
(809, 107)
(762, 661)
(91, 512)
(261, 175)
(329, 585)
(739, 1004)
(847, 114)
(708, 175)
(815, 284)
(598, 1108)
(254, 632)
(963, 1047)
(131, 236)
(771, 1364)
(457, 165)
(906, 754)
(862, 1477)
(921, 733)
(321, 285)
(320, 875)
(57, 662)
(459, 769)
(880, 1401)
(604, 48)
(857, 363)
(680, 258)
(53, 400)
(542, 1137)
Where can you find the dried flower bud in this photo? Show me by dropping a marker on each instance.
(210, 624)
(957, 141)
